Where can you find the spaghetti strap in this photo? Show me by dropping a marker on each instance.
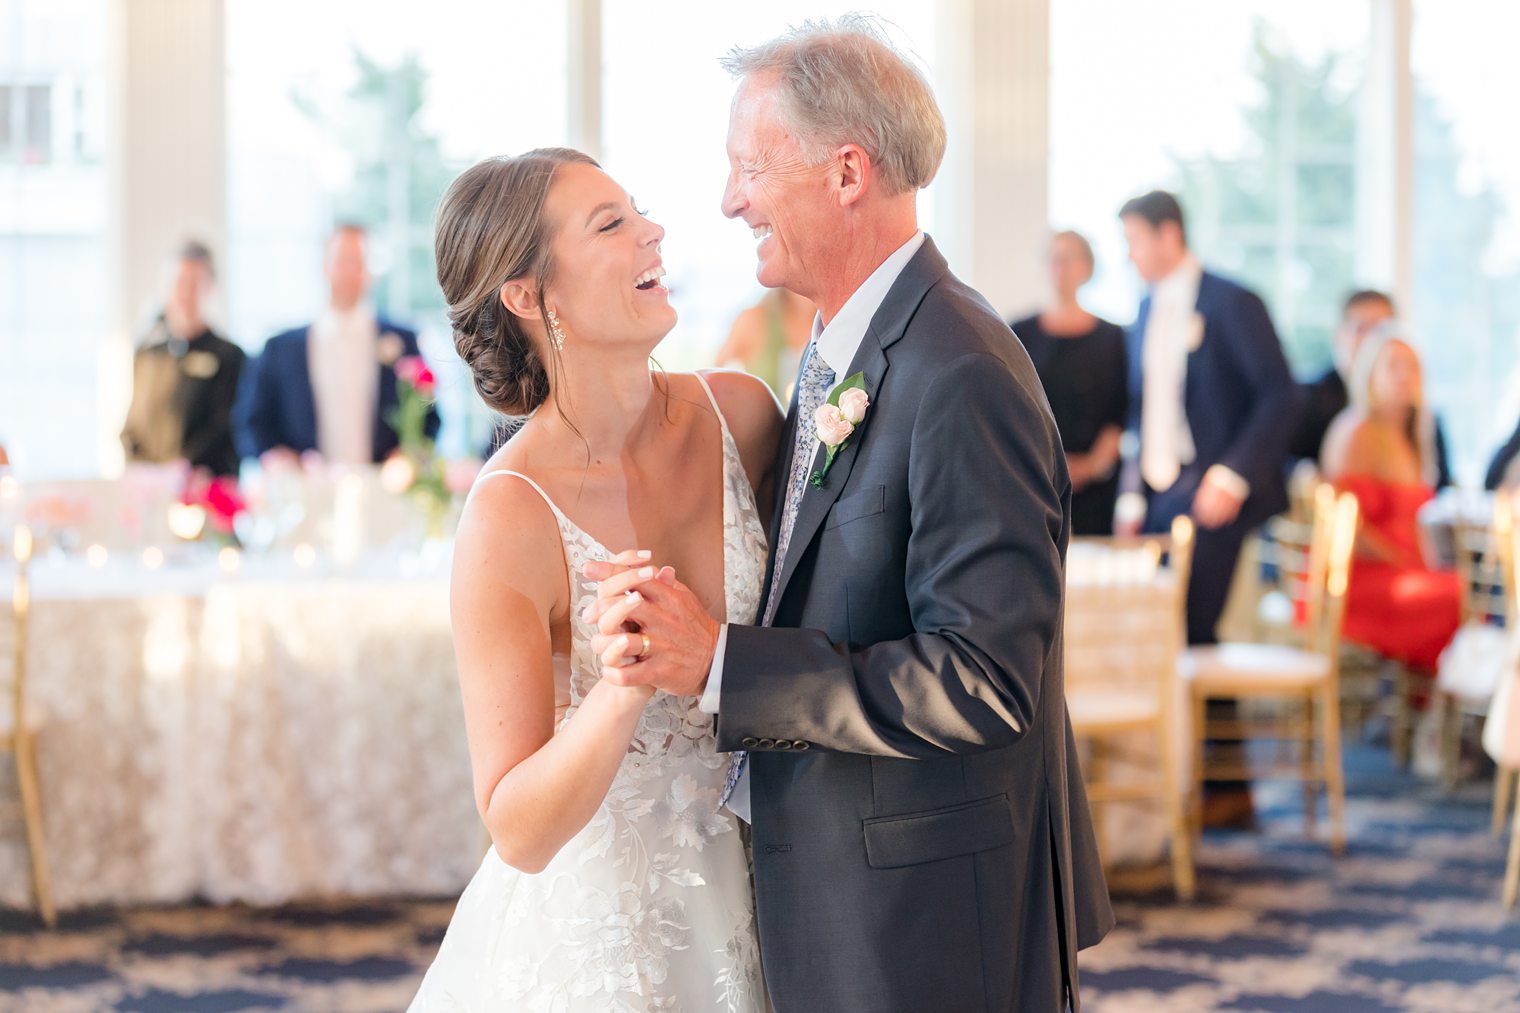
(710, 399)
(517, 474)
(722, 422)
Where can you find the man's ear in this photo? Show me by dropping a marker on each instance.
(520, 299)
(853, 170)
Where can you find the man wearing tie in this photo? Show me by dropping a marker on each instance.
(1214, 404)
(329, 387)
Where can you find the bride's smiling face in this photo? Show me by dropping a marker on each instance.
(608, 285)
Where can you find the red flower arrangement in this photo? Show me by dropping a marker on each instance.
(219, 497)
(414, 372)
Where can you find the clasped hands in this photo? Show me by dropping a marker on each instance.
(651, 629)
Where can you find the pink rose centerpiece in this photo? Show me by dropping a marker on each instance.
(416, 469)
(219, 502)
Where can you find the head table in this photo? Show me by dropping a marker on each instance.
(282, 723)
(247, 728)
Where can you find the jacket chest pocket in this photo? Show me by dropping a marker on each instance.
(868, 502)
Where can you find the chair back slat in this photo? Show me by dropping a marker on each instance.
(1340, 548)
(13, 679)
(1485, 559)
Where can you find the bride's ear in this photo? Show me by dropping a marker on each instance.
(520, 299)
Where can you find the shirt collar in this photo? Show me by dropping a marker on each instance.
(335, 323)
(840, 340)
(1181, 285)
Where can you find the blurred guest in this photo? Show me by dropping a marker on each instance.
(1395, 604)
(1081, 362)
(1364, 314)
(1504, 469)
(1214, 404)
(768, 338)
(1212, 399)
(329, 387)
(185, 378)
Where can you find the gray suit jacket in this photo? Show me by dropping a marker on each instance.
(922, 839)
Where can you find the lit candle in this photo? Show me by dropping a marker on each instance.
(229, 559)
(305, 555)
(97, 555)
(186, 520)
(23, 544)
(153, 557)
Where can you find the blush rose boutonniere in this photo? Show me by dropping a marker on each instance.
(838, 419)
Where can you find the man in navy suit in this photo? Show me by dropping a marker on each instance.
(329, 387)
(1214, 404)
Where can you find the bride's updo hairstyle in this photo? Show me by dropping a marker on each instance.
(490, 229)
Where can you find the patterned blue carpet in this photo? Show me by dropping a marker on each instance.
(1408, 920)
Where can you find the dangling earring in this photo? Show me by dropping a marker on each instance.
(556, 333)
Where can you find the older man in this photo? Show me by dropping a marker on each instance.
(921, 836)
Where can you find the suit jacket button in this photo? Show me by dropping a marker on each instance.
(800, 746)
(749, 742)
(767, 743)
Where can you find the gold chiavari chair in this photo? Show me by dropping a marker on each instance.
(1469, 670)
(1306, 678)
(19, 725)
(1122, 673)
(1501, 732)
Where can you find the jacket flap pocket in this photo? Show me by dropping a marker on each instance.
(872, 500)
(916, 838)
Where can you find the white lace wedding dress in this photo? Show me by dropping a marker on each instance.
(649, 907)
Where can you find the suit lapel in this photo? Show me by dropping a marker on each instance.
(387, 400)
(871, 360)
(303, 397)
(783, 466)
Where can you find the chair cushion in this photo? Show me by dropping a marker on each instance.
(1107, 708)
(1264, 668)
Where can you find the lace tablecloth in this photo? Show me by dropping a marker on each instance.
(1100, 621)
(270, 734)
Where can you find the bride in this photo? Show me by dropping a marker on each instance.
(615, 881)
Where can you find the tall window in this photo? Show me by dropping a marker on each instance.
(666, 122)
(1248, 111)
(365, 113)
(1467, 221)
(54, 275)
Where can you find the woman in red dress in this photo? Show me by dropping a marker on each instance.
(1395, 604)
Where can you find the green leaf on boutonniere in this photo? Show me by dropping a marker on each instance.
(854, 382)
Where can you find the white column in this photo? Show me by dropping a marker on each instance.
(991, 197)
(168, 154)
(583, 53)
(1385, 156)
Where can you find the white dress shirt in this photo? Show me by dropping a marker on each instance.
(345, 379)
(1173, 330)
(836, 344)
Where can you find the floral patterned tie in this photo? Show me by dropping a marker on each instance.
(812, 390)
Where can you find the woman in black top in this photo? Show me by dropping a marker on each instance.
(1081, 362)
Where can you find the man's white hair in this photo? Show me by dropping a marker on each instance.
(841, 82)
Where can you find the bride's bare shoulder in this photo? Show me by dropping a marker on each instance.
(508, 536)
(746, 401)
